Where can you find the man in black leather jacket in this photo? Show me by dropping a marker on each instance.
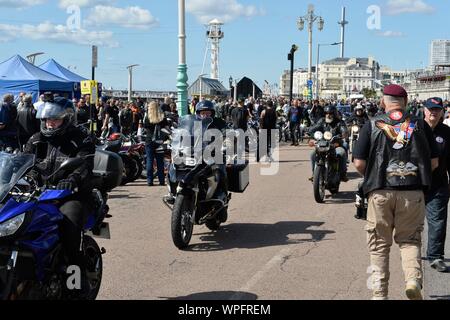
(337, 127)
(58, 140)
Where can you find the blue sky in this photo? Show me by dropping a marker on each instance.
(258, 35)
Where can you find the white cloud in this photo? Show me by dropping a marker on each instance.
(83, 3)
(391, 34)
(395, 7)
(224, 10)
(20, 3)
(58, 33)
(129, 17)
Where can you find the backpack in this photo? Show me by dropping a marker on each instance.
(270, 119)
(126, 117)
(241, 119)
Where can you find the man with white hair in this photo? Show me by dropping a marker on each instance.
(27, 124)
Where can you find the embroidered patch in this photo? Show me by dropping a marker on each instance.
(397, 115)
(439, 140)
(400, 133)
(402, 170)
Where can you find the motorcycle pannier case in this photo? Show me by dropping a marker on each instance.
(108, 167)
(238, 177)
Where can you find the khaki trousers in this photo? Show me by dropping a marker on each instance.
(398, 214)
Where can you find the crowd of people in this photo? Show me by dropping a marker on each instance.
(402, 152)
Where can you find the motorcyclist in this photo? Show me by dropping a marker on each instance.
(205, 110)
(372, 109)
(58, 140)
(359, 116)
(338, 128)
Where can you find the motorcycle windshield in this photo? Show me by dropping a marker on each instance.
(187, 140)
(12, 169)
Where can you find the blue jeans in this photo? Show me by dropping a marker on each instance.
(151, 156)
(341, 153)
(436, 205)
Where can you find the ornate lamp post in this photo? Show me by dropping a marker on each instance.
(182, 77)
(310, 18)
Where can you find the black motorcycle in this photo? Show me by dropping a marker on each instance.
(355, 128)
(196, 185)
(326, 171)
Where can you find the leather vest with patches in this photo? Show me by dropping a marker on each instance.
(399, 154)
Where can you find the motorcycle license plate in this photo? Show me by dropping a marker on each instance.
(190, 162)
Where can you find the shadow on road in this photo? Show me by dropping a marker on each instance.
(252, 236)
(447, 297)
(342, 197)
(123, 196)
(353, 175)
(216, 295)
(293, 161)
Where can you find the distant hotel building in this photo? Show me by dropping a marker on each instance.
(440, 53)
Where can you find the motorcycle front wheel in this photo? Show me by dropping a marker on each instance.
(182, 225)
(94, 267)
(319, 184)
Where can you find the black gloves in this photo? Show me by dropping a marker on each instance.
(66, 184)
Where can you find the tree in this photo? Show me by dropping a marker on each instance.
(369, 93)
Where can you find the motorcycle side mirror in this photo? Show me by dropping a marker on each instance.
(70, 165)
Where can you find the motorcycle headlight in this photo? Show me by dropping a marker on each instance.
(11, 226)
(328, 136)
(318, 135)
(355, 129)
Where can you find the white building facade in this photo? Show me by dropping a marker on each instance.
(440, 53)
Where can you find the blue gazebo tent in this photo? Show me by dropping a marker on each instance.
(18, 75)
(58, 70)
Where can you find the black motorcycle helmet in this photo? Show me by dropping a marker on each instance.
(330, 109)
(360, 108)
(56, 108)
(205, 105)
(372, 109)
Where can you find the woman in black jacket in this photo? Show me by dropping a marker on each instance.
(154, 122)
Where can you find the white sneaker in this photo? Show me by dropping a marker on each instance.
(413, 290)
(380, 298)
(439, 265)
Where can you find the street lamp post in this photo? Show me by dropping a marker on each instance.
(130, 80)
(182, 77)
(32, 57)
(310, 18)
(317, 64)
(291, 58)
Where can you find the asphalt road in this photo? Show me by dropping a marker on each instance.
(278, 244)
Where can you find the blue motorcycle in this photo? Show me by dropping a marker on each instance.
(33, 264)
